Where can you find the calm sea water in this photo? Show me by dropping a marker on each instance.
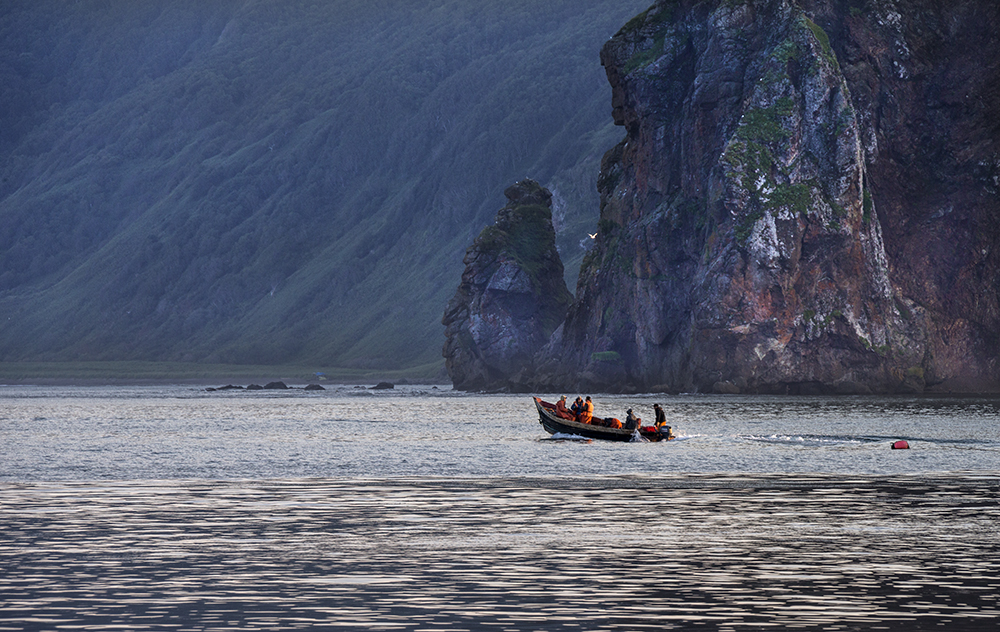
(170, 508)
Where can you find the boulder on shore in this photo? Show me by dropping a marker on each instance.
(227, 387)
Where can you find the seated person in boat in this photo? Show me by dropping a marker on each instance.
(632, 422)
(562, 411)
(587, 413)
(576, 408)
(612, 422)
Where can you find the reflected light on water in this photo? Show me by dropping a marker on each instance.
(621, 553)
(169, 508)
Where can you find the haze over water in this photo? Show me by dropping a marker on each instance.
(170, 508)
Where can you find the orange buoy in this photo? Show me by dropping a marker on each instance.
(900, 445)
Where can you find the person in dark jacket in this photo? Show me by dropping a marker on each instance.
(632, 422)
(661, 417)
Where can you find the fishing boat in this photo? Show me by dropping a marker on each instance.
(555, 424)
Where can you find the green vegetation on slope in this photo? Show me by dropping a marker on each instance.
(278, 182)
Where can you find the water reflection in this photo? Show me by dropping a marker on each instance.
(697, 551)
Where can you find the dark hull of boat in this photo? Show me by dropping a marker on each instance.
(557, 425)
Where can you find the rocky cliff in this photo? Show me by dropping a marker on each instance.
(512, 294)
(925, 84)
(805, 201)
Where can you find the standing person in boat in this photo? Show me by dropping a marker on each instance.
(632, 422)
(588, 411)
(661, 423)
(562, 411)
(661, 417)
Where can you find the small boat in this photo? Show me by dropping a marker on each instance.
(555, 424)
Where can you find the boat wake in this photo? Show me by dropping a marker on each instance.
(562, 436)
(810, 440)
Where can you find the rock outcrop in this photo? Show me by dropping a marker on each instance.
(802, 203)
(925, 86)
(512, 295)
(805, 201)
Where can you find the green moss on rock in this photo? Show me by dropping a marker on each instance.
(606, 356)
(823, 39)
(867, 206)
(647, 56)
(793, 196)
(762, 124)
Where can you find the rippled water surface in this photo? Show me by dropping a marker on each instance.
(186, 432)
(170, 508)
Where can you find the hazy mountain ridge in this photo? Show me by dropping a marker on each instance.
(268, 181)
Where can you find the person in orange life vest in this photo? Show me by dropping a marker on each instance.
(562, 411)
(588, 411)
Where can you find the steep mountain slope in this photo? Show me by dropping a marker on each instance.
(267, 181)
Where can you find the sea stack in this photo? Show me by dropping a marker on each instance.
(512, 295)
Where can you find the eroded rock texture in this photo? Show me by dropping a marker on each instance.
(925, 85)
(512, 294)
(805, 201)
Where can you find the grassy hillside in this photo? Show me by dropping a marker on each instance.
(278, 181)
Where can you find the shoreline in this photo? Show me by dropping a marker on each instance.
(127, 373)
(242, 382)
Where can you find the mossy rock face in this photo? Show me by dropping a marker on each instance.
(512, 296)
(606, 356)
(739, 244)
